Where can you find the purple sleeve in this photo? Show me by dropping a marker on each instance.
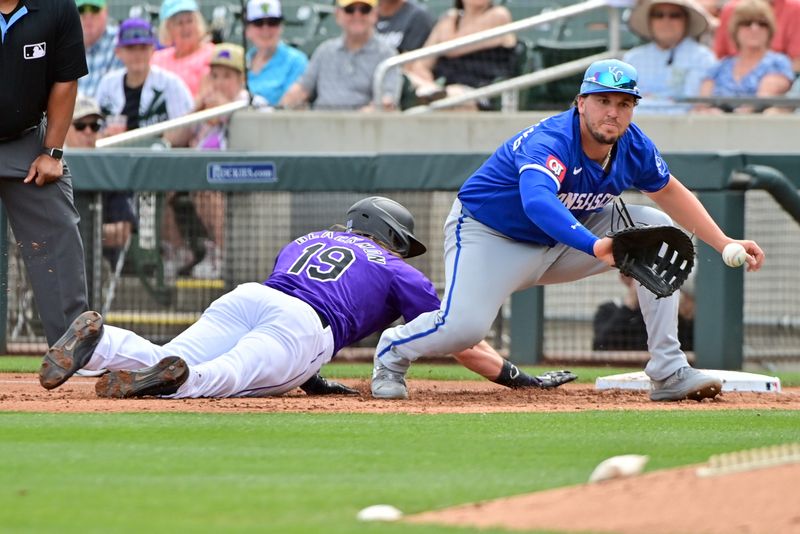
(414, 293)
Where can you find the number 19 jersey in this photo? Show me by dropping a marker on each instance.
(359, 286)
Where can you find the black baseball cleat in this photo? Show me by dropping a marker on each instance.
(72, 351)
(163, 378)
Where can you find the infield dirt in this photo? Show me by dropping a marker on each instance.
(659, 502)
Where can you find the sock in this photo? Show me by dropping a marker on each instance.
(512, 377)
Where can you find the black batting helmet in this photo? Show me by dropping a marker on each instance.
(387, 221)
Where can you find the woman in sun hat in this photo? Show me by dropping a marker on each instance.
(673, 64)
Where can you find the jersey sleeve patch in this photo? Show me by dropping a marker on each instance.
(556, 168)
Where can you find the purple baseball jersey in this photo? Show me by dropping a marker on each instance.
(356, 284)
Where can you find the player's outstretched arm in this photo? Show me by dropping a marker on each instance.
(485, 361)
(684, 208)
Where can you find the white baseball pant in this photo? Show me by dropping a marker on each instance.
(254, 341)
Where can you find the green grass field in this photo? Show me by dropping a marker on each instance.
(308, 473)
(302, 473)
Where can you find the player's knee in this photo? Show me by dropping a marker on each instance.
(653, 217)
(465, 332)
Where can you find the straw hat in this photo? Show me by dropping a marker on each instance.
(699, 21)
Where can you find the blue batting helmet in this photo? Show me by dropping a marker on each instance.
(610, 76)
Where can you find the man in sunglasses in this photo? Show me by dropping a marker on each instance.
(531, 215)
(673, 64)
(99, 39)
(119, 219)
(43, 58)
(339, 75)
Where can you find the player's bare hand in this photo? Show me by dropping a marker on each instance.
(755, 256)
(44, 170)
(602, 250)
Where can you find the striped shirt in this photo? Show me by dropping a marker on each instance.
(101, 59)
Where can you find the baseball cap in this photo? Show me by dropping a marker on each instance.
(610, 76)
(97, 3)
(173, 7)
(228, 55)
(263, 9)
(86, 106)
(135, 32)
(345, 3)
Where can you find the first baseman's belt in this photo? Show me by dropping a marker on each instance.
(322, 318)
(17, 135)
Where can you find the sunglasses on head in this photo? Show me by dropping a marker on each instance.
(94, 126)
(759, 23)
(270, 21)
(88, 8)
(364, 9)
(611, 80)
(674, 15)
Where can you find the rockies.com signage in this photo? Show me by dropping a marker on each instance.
(241, 173)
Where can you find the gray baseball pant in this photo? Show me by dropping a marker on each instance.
(45, 224)
(483, 268)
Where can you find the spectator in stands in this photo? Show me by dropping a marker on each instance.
(273, 65)
(143, 93)
(673, 64)
(785, 32)
(99, 40)
(188, 47)
(755, 71)
(226, 85)
(403, 24)
(472, 66)
(341, 70)
(620, 326)
(119, 218)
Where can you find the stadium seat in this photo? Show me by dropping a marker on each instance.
(558, 94)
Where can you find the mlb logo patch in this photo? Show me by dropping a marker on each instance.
(34, 51)
(555, 166)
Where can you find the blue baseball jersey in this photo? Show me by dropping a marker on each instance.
(359, 286)
(549, 154)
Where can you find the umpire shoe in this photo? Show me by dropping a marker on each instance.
(388, 384)
(72, 351)
(686, 383)
(163, 378)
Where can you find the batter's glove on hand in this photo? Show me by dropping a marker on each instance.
(513, 377)
(553, 379)
(658, 257)
(316, 385)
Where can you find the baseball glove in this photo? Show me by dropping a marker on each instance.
(658, 257)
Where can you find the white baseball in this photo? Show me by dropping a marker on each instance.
(734, 255)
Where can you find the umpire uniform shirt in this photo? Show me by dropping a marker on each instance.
(41, 44)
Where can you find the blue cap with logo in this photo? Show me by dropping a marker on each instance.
(610, 76)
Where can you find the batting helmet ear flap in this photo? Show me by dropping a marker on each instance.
(387, 221)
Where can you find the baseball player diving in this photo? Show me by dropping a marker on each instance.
(327, 290)
(532, 214)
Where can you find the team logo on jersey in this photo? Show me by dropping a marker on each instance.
(555, 166)
(660, 165)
